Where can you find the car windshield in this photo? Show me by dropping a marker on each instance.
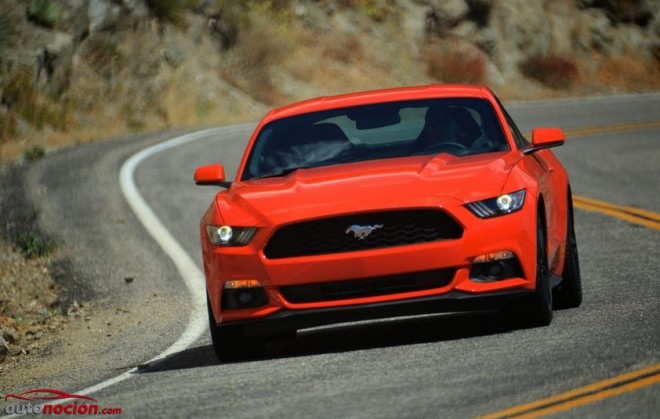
(459, 126)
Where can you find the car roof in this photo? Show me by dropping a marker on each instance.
(378, 96)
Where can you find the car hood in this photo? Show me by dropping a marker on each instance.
(365, 186)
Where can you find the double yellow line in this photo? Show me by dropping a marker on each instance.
(610, 129)
(631, 214)
(634, 215)
(581, 396)
(623, 383)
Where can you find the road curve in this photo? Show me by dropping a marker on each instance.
(457, 365)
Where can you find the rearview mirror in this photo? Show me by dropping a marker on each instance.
(212, 174)
(376, 116)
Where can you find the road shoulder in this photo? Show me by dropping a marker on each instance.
(125, 300)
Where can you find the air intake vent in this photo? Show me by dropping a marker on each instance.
(368, 287)
(363, 231)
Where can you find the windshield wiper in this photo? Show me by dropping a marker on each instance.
(279, 173)
(289, 170)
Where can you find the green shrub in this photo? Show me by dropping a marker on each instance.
(552, 70)
(44, 13)
(33, 245)
(170, 11)
(34, 153)
(104, 56)
(131, 115)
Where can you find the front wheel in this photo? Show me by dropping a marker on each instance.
(569, 293)
(229, 344)
(536, 310)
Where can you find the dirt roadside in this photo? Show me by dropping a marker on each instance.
(104, 301)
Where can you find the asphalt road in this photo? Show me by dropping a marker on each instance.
(455, 365)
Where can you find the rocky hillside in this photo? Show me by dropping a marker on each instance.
(72, 71)
(76, 70)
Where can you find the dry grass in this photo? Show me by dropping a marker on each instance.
(260, 49)
(346, 48)
(126, 81)
(378, 10)
(104, 56)
(23, 99)
(29, 302)
(449, 62)
(632, 73)
(554, 71)
(8, 33)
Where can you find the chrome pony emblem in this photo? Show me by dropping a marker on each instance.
(360, 232)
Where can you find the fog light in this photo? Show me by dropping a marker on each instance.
(495, 270)
(243, 293)
(244, 297)
(495, 266)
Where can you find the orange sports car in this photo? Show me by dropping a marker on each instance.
(387, 203)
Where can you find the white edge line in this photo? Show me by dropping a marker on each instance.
(192, 277)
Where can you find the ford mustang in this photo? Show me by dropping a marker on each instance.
(387, 203)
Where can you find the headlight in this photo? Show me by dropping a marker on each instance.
(503, 204)
(230, 236)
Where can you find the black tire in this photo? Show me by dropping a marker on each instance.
(229, 344)
(536, 310)
(569, 293)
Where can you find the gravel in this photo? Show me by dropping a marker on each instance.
(32, 303)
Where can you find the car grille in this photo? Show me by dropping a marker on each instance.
(332, 235)
(367, 287)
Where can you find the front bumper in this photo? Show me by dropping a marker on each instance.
(290, 320)
(513, 232)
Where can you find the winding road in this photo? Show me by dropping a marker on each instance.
(452, 365)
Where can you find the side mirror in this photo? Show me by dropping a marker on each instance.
(212, 174)
(545, 138)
